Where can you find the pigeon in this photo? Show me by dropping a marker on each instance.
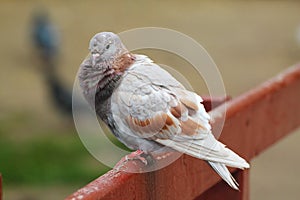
(46, 40)
(146, 108)
(45, 35)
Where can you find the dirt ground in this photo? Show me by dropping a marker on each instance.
(249, 41)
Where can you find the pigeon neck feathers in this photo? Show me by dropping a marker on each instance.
(112, 76)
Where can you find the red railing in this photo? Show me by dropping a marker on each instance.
(254, 121)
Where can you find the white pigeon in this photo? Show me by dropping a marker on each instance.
(146, 108)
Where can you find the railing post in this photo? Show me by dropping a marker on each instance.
(242, 177)
(221, 190)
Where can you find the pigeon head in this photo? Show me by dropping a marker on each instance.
(101, 70)
(106, 46)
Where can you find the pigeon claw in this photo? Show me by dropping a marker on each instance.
(138, 155)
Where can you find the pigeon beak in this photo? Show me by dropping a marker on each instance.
(95, 58)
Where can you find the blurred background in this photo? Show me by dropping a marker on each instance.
(42, 44)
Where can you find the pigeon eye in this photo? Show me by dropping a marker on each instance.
(107, 46)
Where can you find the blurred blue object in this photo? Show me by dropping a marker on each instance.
(45, 39)
(45, 35)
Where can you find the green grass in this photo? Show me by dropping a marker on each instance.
(53, 158)
(47, 161)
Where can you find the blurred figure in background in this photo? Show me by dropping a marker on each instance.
(46, 40)
(45, 35)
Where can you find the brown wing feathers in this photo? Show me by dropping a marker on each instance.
(165, 125)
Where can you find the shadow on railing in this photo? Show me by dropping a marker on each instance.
(254, 121)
